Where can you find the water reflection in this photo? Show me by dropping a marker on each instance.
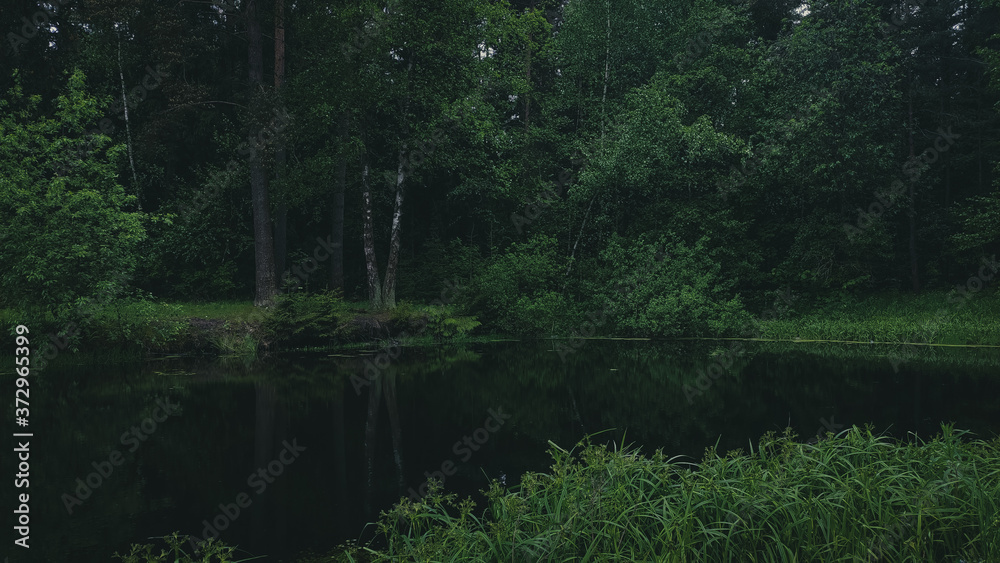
(363, 451)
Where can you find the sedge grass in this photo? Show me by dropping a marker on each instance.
(853, 497)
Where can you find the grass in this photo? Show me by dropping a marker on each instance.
(317, 322)
(854, 497)
(223, 310)
(933, 317)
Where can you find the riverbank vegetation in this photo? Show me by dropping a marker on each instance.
(854, 495)
(139, 327)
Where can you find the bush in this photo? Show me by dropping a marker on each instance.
(442, 323)
(519, 292)
(306, 318)
(669, 289)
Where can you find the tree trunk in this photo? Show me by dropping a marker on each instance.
(128, 127)
(914, 277)
(374, 288)
(337, 259)
(389, 289)
(263, 243)
(281, 223)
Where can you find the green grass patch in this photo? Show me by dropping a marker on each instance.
(933, 317)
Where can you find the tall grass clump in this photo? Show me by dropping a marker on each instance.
(853, 497)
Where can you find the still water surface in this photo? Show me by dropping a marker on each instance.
(312, 455)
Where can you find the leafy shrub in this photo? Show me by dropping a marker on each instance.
(519, 292)
(306, 318)
(443, 323)
(133, 320)
(67, 224)
(669, 289)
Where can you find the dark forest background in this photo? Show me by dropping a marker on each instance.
(672, 164)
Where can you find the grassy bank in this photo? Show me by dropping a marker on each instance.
(852, 497)
(932, 317)
(137, 327)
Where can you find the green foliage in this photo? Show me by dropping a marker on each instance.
(422, 278)
(443, 324)
(669, 289)
(979, 225)
(212, 551)
(935, 317)
(68, 224)
(519, 291)
(135, 320)
(301, 318)
(186, 259)
(245, 345)
(853, 496)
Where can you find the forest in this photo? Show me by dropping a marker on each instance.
(672, 233)
(631, 168)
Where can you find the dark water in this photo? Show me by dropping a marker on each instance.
(333, 452)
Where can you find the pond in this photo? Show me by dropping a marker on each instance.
(298, 451)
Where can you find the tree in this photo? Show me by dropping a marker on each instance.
(266, 287)
(70, 229)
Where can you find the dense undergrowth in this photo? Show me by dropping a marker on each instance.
(851, 497)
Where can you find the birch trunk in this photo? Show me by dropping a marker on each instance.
(374, 288)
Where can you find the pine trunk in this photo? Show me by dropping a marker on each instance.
(263, 243)
(281, 223)
(337, 260)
